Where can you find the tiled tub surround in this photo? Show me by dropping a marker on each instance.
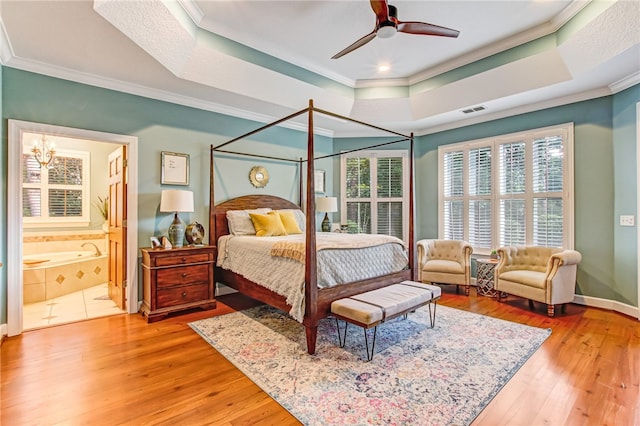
(69, 267)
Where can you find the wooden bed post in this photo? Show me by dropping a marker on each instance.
(310, 268)
(212, 204)
(412, 235)
(300, 193)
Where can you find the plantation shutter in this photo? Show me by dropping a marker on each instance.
(512, 193)
(548, 178)
(509, 190)
(453, 181)
(57, 193)
(31, 192)
(375, 192)
(358, 192)
(390, 192)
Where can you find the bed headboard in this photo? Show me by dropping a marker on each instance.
(218, 214)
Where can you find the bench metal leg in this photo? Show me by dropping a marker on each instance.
(432, 315)
(342, 339)
(373, 344)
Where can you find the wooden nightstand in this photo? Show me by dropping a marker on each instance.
(177, 279)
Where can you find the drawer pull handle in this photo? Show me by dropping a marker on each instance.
(184, 274)
(184, 294)
(184, 259)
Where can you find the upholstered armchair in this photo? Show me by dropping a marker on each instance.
(541, 274)
(445, 262)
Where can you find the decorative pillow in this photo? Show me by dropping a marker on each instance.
(240, 222)
(289, 221)
(300, 218)
(267, 225)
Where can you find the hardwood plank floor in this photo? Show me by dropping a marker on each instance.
(121, 370)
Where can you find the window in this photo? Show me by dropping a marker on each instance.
(56, 195)
(375, 189)
(509, 190)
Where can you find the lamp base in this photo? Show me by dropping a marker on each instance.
(176, 232)
(326, 223)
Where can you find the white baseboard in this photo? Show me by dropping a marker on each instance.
(610, 305)
(222, 289)
(3, 332)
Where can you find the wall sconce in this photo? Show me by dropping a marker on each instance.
(44, 153)
(176, 200)
(327, 205)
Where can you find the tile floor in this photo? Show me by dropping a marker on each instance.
(89, 303)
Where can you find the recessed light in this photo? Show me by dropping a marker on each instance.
(384, 68)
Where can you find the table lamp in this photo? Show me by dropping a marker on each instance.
(327, 205)
(176, 200)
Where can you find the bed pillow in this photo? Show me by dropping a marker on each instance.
(300, 218)
(240, 223)
(267, 225)
(289, 221)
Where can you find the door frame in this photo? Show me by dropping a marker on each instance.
(14, 211)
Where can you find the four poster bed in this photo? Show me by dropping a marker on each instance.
(309, 257)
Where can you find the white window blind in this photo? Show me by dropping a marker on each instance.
(375, 188)
(510, 190)
(57, 194)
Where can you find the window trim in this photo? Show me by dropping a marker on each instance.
(373, 155)
(565, 129)
(77, 221)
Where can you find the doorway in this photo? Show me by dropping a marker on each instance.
(15, 290)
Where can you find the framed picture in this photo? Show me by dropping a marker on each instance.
(175, 168)
(318, 180)
(155, 242)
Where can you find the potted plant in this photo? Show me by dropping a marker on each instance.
(494, 254)
(103, 207)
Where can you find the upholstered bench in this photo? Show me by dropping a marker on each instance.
(374, 307)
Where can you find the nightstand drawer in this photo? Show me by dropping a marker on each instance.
(171, 277)
(180, 295)
(182, 259)
(177, 279)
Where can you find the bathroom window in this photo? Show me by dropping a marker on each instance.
(56, 195)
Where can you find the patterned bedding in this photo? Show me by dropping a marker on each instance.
(342, 258)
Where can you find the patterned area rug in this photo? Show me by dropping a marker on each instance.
(418, 375)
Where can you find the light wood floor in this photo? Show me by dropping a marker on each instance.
(121, 370)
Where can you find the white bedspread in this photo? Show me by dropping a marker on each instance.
(362, 256)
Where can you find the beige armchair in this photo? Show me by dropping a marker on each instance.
(543, 274)
(445, 262)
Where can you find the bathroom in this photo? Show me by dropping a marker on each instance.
(65, 259)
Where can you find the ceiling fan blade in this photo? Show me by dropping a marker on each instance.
(426, 29)
(381, 9)
(364, 40)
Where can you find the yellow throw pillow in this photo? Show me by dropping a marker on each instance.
(289, 221)
(267, 225)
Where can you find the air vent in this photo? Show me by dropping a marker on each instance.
(474, 109)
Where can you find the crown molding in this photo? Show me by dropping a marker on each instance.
(6, 50)
(625, 83)
(151, 93)
(193, 10)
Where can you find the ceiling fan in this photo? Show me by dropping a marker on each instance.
(387, 24)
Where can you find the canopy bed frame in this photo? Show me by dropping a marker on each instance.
(317, 301)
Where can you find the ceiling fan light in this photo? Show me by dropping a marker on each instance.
(386, 31)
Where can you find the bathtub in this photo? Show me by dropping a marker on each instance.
(49, 275)
(47, 260)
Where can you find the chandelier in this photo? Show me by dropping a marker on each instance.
(43, 153)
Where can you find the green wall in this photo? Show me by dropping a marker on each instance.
(159, 126)
(605, 163)
(605, 185)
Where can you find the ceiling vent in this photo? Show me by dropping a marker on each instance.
(474, 109)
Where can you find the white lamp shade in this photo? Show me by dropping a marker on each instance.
(176, 200)
(327, 204)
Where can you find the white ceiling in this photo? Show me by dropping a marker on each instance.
(280, 55)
